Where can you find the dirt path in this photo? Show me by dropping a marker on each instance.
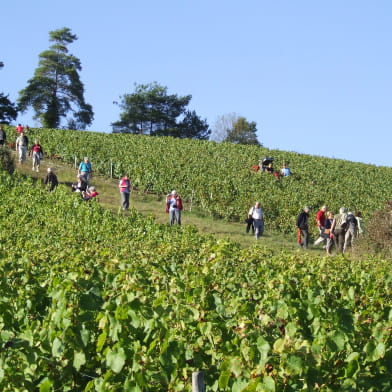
(151, 205)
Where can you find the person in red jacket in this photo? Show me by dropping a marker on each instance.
(320, 221)
(125, 191)
(36, 154)
(19, 129)
(174, 207)
(90, 194)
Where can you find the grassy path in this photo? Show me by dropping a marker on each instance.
(150, 204)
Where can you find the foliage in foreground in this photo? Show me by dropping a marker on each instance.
(95, 302)
(6, 160)
(378, 236)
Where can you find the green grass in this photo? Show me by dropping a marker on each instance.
(154, 205)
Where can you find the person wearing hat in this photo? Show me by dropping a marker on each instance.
(51, 180)
(303, 228)
(174, 207)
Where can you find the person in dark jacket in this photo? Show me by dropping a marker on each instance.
(51, 180)
(303, 227)
(3, 136)
(351, 231)
(80, 185)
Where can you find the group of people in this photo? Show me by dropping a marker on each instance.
(51, 181)
(174, 207)
(339, 230)
(83, 177)
(84, 174)
(335, 230)
(266, 165)
(36, 153)
(173, 202)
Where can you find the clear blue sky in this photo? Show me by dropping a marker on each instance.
(316, 76)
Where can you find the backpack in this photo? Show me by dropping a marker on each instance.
(351, 222)
(343, 225)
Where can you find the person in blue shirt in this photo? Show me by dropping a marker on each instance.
(85, 170)
(285, 171)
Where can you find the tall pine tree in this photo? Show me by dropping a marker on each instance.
(55, 90)
(8, 111)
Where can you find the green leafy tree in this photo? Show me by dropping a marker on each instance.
(243, 132)
(8, 110)
(55, 90)
(150, 110)
(193, 127)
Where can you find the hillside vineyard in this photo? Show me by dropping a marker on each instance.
(89, 306)
(217, 177)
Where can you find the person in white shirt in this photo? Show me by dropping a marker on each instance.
(257, 214)
(21, 145)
